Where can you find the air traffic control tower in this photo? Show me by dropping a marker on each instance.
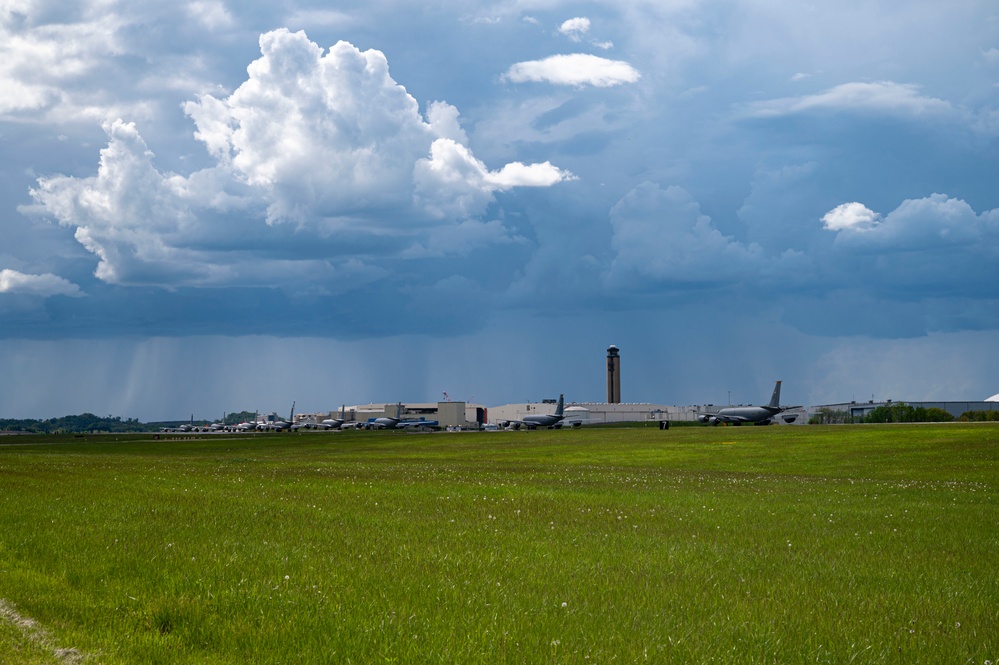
(613, 375)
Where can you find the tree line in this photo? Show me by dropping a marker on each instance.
(899, 413)
(84, 422)
(88, 422)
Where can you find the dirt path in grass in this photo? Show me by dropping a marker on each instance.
(37, 635)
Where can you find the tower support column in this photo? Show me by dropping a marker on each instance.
(613, 375)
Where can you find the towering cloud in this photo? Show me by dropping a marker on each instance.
(315, 151)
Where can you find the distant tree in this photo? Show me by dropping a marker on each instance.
(14, 425)
(978, 416)
(84, 422)
(904, 413)
(240, 417)
(937, 415)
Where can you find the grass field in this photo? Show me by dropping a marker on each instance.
(862, 544)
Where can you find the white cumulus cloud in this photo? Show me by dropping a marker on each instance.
(331, 134)
(937, 246)
(575, 28)
(323, 143)
(453, 183)
(12, 281)
(850, 216)
(933, 223)
(576, 69)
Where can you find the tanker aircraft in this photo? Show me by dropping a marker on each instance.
(535, 420)
(737, 415)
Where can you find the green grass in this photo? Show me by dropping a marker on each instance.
(864, 544)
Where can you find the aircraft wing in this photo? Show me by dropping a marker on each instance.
(416, 424)
(533, 424)
(517, 424)
(714, 418)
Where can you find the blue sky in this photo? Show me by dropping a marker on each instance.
(214, 206)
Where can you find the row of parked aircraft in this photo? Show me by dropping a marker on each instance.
(246, 426)
(291, 425)
(377, 423)
(736, 415)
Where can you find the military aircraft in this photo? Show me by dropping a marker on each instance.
(248, 425)
(182, 428)
(279, 425)
(219, 426)
(536, 420)
(327, 424)
(335, 423)
(737, 415)
(398, 423)
(307, 424)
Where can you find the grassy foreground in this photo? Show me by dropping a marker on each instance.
(863, 544)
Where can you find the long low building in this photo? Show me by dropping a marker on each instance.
(447, 414)
(602, 412)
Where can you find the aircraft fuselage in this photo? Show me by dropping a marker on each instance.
(737, 415)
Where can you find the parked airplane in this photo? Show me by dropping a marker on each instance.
(737, 415)
(307, 424)
(533, 421)
(279, 425)
(329, 423)
(398, 423)
(182, 428)
(219, 426)
(335, 423)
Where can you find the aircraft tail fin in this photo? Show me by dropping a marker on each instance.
(561, 406)
(775, 398)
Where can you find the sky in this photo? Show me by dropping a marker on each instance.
(211, 206)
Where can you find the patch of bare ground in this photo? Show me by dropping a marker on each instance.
(37, 635)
